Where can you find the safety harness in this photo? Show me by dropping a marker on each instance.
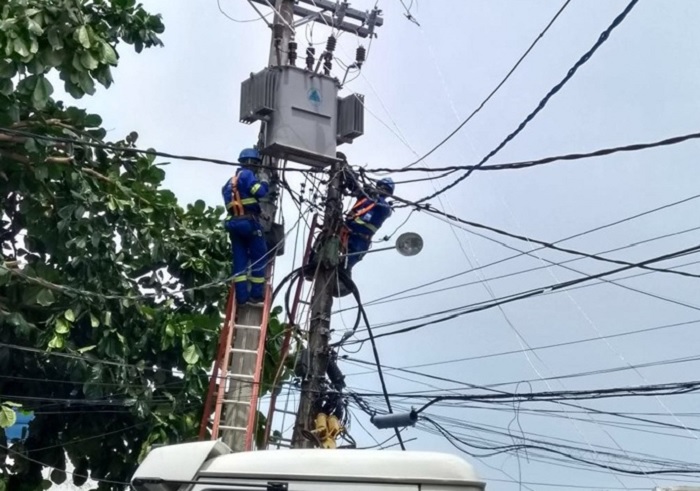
(236, 205)
(360, 208)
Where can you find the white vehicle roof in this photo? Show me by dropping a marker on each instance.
(345, 465)
(165, 466)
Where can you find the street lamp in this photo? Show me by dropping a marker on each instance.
(408, 244)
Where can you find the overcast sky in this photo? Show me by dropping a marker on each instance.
(420, 82)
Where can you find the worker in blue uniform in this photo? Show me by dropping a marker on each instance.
(248, 247)
(366, 217)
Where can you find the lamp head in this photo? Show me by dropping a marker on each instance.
(409, 244)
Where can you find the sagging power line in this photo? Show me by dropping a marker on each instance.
(581, 61)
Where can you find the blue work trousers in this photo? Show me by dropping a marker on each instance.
(248, 246)
(357, 243)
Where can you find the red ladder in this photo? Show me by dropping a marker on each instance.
(232, 398)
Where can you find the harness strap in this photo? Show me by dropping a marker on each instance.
(236, 205)
(359, 209)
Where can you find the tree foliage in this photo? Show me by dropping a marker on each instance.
(107, 325)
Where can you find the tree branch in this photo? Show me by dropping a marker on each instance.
(24, 124)
(60, 161)
(60, 124)
(4, 138)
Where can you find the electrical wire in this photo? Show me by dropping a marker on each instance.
(544, 244)
(616, 283)
(665, 362)
(606, 451)
(460, 311)
(597, 331)
(496, 444)
(604, 36)
(419, 179)
(509, 448)
(636, 427)
(604, 280)
(117, 148)
(496, 89)
(672, 388)
(657, 399)
(538, 348)
(69, 290)
(43, 464)
(93, 360)
(460, 423)
(526, 164)
(563, 485)
(539, 268)
(375, 352)
(218, 4)
(625, 425)
(523, 253)
(408, 14)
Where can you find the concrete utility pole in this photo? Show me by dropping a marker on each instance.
(282, 34)
(321, 308)
(305, 100)
(247, 341)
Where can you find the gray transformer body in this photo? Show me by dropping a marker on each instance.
(305, 118)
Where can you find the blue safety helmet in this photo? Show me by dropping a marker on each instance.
(249, 154)
(387, 184)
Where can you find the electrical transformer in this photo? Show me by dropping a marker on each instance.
(305, 118)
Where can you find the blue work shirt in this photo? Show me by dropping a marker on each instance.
(372, 214)
(250, 189)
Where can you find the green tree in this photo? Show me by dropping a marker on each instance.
(107, 325)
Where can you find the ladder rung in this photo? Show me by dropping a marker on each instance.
(241, 350)
(241, 375)
(285, 412)
(232, 428)
(244, 326)
(231, 401)
(255, 305)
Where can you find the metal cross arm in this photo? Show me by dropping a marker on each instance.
(334, 14)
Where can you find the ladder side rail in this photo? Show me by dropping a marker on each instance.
(291, 319)
(223, 375)
(211, 391)
(257, 375)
